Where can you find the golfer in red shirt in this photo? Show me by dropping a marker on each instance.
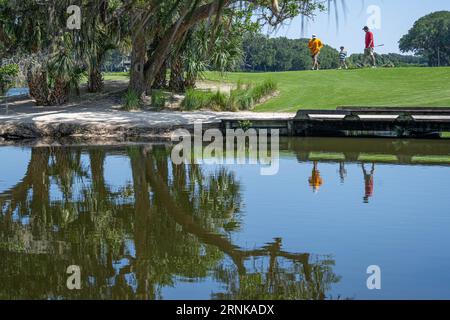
(369, 51)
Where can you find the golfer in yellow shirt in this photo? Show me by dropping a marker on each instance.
(315, 45)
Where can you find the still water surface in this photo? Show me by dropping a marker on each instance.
(142, 228)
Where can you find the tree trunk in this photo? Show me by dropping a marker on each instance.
(60, 93)
(191, 79)
(177, 82)
(138, 55)
(173, 34)
(160, 80)
(37, 82)
(95, 81)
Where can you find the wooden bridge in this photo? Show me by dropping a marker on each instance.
(359, 122)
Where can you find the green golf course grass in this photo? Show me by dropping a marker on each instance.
(328, 89)
(116, 76)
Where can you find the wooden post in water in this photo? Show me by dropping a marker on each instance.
(290, 128)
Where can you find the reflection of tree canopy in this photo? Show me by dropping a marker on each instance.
(170, 222)
(281, 276)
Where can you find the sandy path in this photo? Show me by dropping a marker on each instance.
(23, 120)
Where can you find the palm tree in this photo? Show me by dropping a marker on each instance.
(34, 30)
(104, 29)
(203, 48)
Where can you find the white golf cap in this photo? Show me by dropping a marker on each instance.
(314, 36)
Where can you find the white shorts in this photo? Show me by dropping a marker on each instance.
(369, 51)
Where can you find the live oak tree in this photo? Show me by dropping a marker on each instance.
(168, 22)
(430, 37)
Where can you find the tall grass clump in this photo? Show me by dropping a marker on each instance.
(244, 97)
(201, 99)
(263, 90)
(219, 101)
(159, 99)
(196, 99)
(240, 100)
(131, 100)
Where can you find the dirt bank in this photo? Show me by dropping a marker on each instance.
(104, 118)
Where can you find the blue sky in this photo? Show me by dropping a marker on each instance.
(396, 17)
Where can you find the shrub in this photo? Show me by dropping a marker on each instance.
(158, 99)
(131, 100)
(8, 73)
(245, 125)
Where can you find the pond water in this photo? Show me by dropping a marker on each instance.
(140, 227)
(17, 92)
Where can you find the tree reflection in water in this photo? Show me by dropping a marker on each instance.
(170, 223)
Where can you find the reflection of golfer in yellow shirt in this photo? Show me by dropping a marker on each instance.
(315, 45)
(316, 180)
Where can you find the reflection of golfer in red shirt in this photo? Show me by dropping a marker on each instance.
(368, 181)
(369, 50)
